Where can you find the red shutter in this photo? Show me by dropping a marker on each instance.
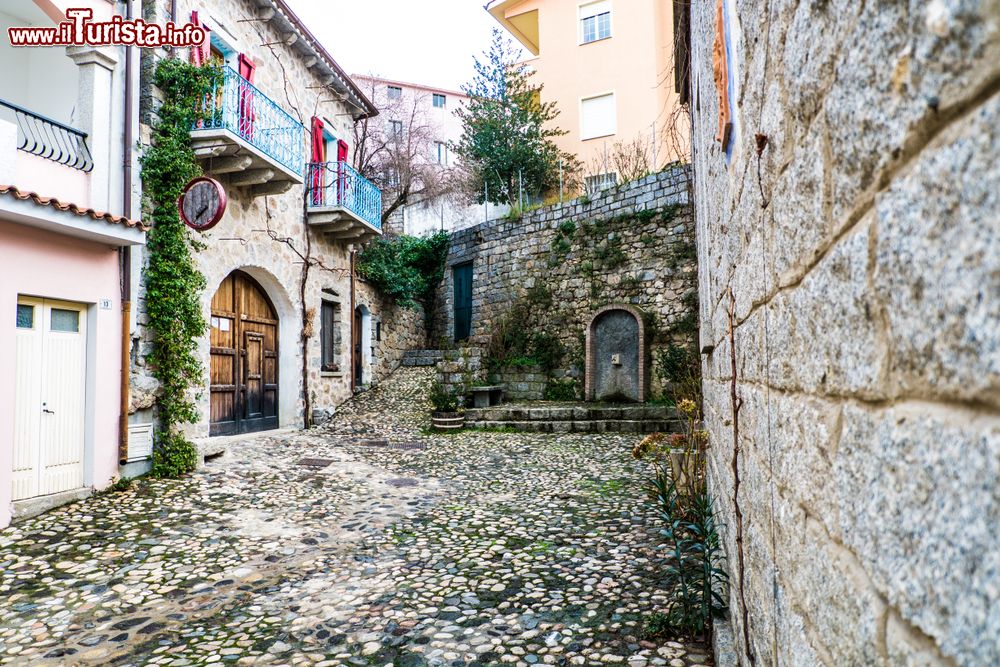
(247, 69)
(196, 51)
(318, 158)
(343, 184)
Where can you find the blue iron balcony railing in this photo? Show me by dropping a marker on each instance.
(50, 139)
(237, 105)
(338, 184)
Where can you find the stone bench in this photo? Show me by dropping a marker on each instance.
(484, 397)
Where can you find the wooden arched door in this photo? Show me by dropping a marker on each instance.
(244, 373)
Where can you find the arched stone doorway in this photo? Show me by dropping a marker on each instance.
(362, 346)
(244, 358)
(617, 368)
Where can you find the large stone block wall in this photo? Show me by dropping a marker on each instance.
(860, 259)
(241, 239)
(588, 253)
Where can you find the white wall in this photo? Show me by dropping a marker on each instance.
(40, 79)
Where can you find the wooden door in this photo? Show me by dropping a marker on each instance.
(463, 300)
(50, 397)
(244, 373)
(356, 346)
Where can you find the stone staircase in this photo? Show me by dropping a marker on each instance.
(576, 418)
(422, 357)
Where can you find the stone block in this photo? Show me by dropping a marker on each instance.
(919, 493)
(823, 333)
(938, 265)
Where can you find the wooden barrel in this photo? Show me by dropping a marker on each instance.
(447, 421)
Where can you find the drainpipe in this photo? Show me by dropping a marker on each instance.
(125, 256)
(354, 370)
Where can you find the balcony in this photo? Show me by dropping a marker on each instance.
(244, 133)
(40, 154)
(343, 203)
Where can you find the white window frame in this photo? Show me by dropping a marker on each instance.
(444, 100)
(395, 129)
(614, 128)
(389, 88)
(581, 15)
(442, 152)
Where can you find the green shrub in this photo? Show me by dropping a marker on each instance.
(173, 455)
(442, 399)
(406, 268)
(562, 390)
(695, 575)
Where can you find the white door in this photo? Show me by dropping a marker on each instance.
(49, 397)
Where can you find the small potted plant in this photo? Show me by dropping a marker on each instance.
(445, 415)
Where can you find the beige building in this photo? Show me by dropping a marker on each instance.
(608, 65)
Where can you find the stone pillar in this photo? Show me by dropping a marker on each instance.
(94, 106)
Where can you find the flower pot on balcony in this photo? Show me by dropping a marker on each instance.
(447, 421)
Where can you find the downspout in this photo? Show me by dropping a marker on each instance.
(125, 256)
(354, 369)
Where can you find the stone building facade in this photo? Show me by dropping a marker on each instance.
(849, 280)
(266, 232)
(633, 244)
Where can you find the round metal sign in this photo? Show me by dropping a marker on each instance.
(202, 203)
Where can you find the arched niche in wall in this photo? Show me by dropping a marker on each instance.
(616, 355)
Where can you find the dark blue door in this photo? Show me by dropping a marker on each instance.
(463, 300)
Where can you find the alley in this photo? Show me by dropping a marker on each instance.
(367, 542)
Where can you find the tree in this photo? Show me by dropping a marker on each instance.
(396, 150)
(507, 132)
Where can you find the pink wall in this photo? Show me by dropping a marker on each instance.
(44, 264)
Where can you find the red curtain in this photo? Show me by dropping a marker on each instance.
(317, 159)
(247, 69)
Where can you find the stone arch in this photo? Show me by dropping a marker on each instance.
(616, 331)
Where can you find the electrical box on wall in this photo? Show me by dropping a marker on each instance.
(140, 442)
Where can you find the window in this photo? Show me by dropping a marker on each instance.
(595, 21)
(392, 177)
(393, 92)
(25, 316)
(439, 100)
(595, 184)
(65, 320)
(442, 152)
(597, 117)
(395, 129)
(330, 336)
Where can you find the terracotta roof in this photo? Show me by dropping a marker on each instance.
(13, 191)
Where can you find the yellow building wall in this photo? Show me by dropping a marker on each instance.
(636, 63)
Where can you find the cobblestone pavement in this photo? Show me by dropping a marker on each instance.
(406, 549)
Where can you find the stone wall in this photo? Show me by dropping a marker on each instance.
(633, 244)
(859, 257)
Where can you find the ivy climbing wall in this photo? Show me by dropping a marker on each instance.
(538, 279)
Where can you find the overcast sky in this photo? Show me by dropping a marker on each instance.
(418, 42)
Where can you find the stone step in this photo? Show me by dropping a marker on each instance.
(572, 413)
(583, 426)
(422, 357)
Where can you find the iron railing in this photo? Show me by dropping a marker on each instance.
(339, 184)
(50, 139)
(237, 105)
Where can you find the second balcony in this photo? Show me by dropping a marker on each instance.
(242, 132)
(342, 202)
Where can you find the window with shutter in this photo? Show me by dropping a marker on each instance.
(598, 117)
